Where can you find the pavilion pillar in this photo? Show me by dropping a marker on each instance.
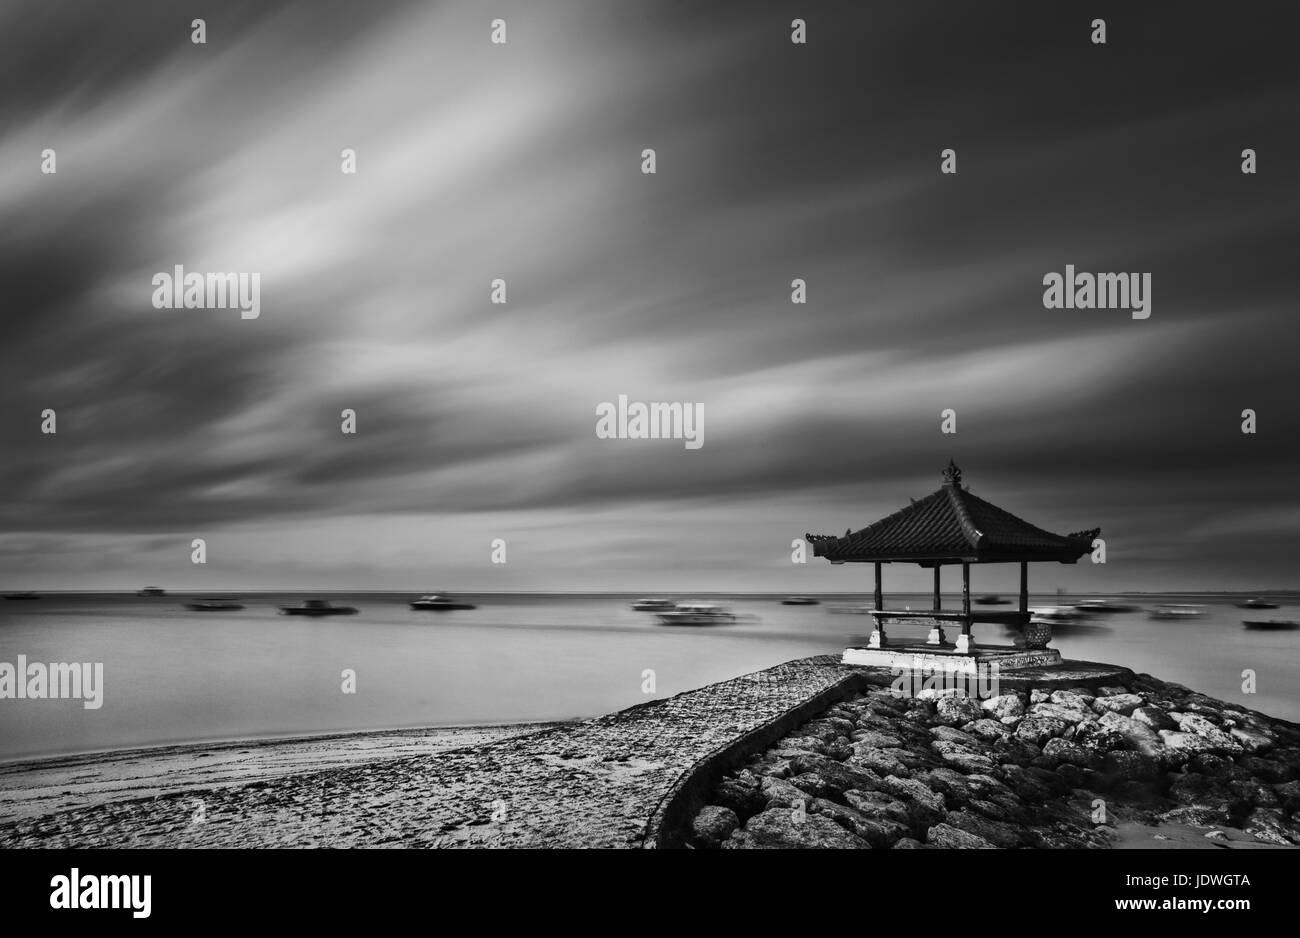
(877, 639)
(936, 635)
(964, 640)
(965, 593)
(1024, 586)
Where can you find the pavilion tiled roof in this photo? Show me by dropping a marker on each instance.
(949, 525)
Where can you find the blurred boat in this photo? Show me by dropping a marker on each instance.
(1056, 613)
(151, 591)
(697, 614)
(1103, 606)
(1270, 625)
(439, 602)
(25, 595)
(1175, 611)
(991, 600)
(1064, 620)
(1257, 604)
(214, 605)
(800, 601)
(316, 607)
(654, 605)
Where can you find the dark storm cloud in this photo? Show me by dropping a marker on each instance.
(775, 162)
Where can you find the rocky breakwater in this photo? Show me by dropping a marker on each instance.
(1064, 768)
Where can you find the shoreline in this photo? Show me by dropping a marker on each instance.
(32, 788)
(48, 760)
(644, 776)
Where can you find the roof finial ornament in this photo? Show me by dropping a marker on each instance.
(952, 475)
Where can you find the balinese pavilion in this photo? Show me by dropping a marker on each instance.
(950, 527)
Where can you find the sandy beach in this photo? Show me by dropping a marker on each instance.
(30, 789)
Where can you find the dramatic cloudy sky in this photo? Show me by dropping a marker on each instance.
(522, 161)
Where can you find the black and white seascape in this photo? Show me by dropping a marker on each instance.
(643, 424)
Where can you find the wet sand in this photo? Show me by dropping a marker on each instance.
(31, 789)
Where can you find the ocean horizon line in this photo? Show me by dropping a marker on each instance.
(216, 591)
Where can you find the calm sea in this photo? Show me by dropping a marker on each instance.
(172, 676)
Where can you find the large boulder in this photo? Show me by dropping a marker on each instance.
(1154, 717)
(1057, 751)
(837, 776)
(1078, 699)
(742, 794)
(986, 729)
(772, 765)
(1131, 766)
(1189, 743)
(1068, 714)
(998, 833)
(956, 711)
(1029, 789)
(880, 832)
(1038, 729)
(793, 745)
(1253, 738)
(1012, 750)
(1117, 703)
(879, 761)
(1266, 769)
(824, 729)
(778, 793)
(1256, 793)
(1215, 766)
(1004, 705)
(959, 790)
(1138, 735)
(875, 739)
(1099, 737)
(949, 734)
(877, 706)
(712, 826)
(924, 805)
(1289, 793)
(961, 758)
(954, 838)
(1272, 826)
(878, 805)
(839, 748)
(782, 828)
(815, 785)
(1200, 725)
(1196, 790)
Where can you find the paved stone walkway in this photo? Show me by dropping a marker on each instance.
(590, 784)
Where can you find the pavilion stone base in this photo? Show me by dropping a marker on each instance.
(928, 657)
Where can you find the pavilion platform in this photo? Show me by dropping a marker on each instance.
(923, 656)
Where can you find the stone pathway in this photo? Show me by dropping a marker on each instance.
(590, 784)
